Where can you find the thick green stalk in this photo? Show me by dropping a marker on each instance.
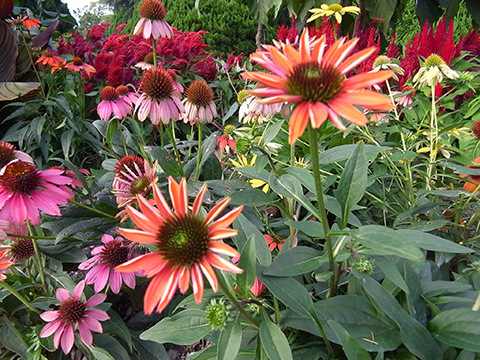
(174, 144)
(154, 50)
(199, 150)
(433, 140)
(37, 257)
(15, 293)
(321, 205)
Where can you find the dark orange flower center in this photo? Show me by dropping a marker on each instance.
(77, 61)
(72, 310)
(108, 93)
(199, 93)
(115, 253)
(21, 249)
(6, 153)
(313, 83)
(129, 162)
(183, 242)
(153, 10)
(48, 54)
(148, 58)
(20, 177)
(157, 84)
(122, 90)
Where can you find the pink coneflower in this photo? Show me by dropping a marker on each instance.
(152, 22)
(78, 65)
(147, 62)
(199, 105)
(114, 252)
(124, 93)
(51, 59)
(159, 100)
(133, 176)
(24, 190)
(7, 227)
(73, 314)
(112, 103)
(407, 98)
(185, 243)
(5, 263)
(315, 79)
(8, 154)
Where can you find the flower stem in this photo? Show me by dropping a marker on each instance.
(38, 259)
(174, 144)
(91, 209)
(235, 303)
(19, 296)
(199, 150)
(433, 140)
(321, 205)
(154, 50)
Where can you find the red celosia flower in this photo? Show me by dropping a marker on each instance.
(316, 81)
(74, 313)
(97, 31)
(186, 244)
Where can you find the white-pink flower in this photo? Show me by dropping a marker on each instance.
(114, 252)
(152, 22)
(73, 314)
(112, 103)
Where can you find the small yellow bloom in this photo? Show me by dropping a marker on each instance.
(333, 10)
(256, 183)
(243, 162)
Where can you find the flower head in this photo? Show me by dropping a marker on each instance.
(476, 129)
(112, 103)
(24, 190)
(159, 99)
(78, 65)
(407, 96)
(433, 70)
(274, 242)
(186, 244)
(383, 62)
(152, 22)
(333, 10)
(199, 105)
(251, 110)
(124, 93)
(25, 20)
(5, 263)
(102, 265)
(21, 249)
(474, 180)
(147, 62)
(74, 313)
(226, 142)
(316, 81)
(133, 176)
(51, 59)
(8, 154)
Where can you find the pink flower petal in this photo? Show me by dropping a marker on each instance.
(68, 339)
(95, 300)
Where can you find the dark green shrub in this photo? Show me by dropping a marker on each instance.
(231, 26)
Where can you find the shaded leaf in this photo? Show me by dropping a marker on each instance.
(43, 38)
(15, 90)
(250, 197)
(296, 261)
(434, 243)
(229, 341)
(350, 345)
(273, 340)
(9, 51)
(12, 339)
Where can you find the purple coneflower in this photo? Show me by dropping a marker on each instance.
(112, 103)
(124, 93)
(199, 105)
(159, 100)
(152, 22)
(73, 314)
(114, 252)
(24, 190)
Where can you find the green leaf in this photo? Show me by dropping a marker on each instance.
(273, 340)
(112, 345)
(100, 354)
(149, 349)
(11, 338)
(434, 243)
(270, 133)
(385, 241)
(391, 273)
(183, 328)
(313, 229)
(435, 288)
(83, 225)
(112, 127)
(344, 152)
(245, 230)
(352, 348)
(290, 187)
(416, 337)
(116, 326)
(247, 262)
(296, 261)
(289, 291)
(353, 182)
(459, 328)
(250, 197)
(210, 353)
(229, 341)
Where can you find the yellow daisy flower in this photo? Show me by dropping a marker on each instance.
(333, 10)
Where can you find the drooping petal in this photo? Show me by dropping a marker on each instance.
(348, 111)
(222, 248)
(298, 122)
(272, 80)
(143, 263)
(226, 220)
(68, 339)
(197, 283)
(222, 264)
(199, 200)
(96, 300)
(209, 274)
(138, 236)
(85, 333)
(216, 210)
(363, 80)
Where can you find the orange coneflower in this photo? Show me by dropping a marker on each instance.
(315, 79)
(5, 263)
(78, 65)
(186, 244)
(51, 59)
(475, 179)
(25, 20)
